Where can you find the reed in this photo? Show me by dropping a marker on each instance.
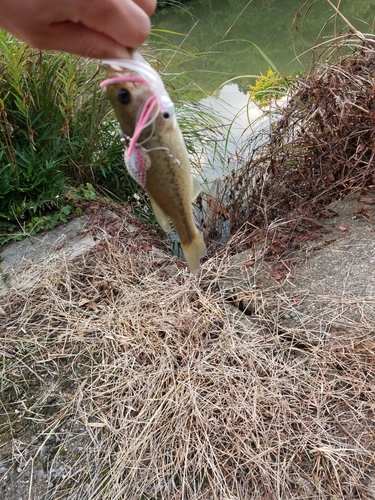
(56, 131)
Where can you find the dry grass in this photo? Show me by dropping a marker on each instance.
(126, 378)
(321, 148)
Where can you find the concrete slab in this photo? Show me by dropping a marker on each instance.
(67, 241)
(342, 270)
(334, 276)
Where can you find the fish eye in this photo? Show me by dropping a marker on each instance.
(123, 95)
(166, 115)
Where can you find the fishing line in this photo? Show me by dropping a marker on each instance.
(150, 76)
(119, 79)
(145, 118)
(142, 67)
(137, 159)
(144, 121)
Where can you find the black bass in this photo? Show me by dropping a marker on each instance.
(155, 154)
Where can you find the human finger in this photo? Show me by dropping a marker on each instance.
(81, 40)
(122, 20)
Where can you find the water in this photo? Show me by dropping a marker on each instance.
(217, 37)
(225, 44)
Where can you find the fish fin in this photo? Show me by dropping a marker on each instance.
(160, 216)
(194, 251)
(197, 188)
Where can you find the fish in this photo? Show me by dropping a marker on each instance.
(155, 151)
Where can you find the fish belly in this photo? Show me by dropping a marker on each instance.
(170, 187)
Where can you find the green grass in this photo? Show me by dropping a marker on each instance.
(56, 130)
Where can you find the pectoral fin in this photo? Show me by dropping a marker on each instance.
(160, 216)
(197, 188)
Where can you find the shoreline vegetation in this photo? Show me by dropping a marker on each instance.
(318, 149)
(58, 139)
(59, 149)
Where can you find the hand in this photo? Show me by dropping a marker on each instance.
(91, 28)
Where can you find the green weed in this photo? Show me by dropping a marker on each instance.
(56, 129)
(58, 132)
(35, 225)
(269, 87)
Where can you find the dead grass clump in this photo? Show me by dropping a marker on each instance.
(125, 378)
(322, 147)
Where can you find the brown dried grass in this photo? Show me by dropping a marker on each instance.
(151, 385)
(321, 148)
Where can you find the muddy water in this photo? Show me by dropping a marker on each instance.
(223, 42)
(217, 37)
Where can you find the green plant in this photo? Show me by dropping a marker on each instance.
(56, 128)
(35, 225)
(84, 192)
(269, 87)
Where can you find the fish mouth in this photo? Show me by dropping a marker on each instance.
(139, 66)
(111, 66)
(138, 70)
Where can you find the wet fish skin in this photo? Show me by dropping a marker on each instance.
(169, 183)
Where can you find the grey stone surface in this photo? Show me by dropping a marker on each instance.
(342, 270)
(334, 275)
(68, 241)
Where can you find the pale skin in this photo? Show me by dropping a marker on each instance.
(91, 28)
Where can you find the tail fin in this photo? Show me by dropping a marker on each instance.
(194, 251)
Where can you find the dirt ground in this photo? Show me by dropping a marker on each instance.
(125, 377)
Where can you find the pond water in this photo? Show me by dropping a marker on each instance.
(217, 37)
(225, 44)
